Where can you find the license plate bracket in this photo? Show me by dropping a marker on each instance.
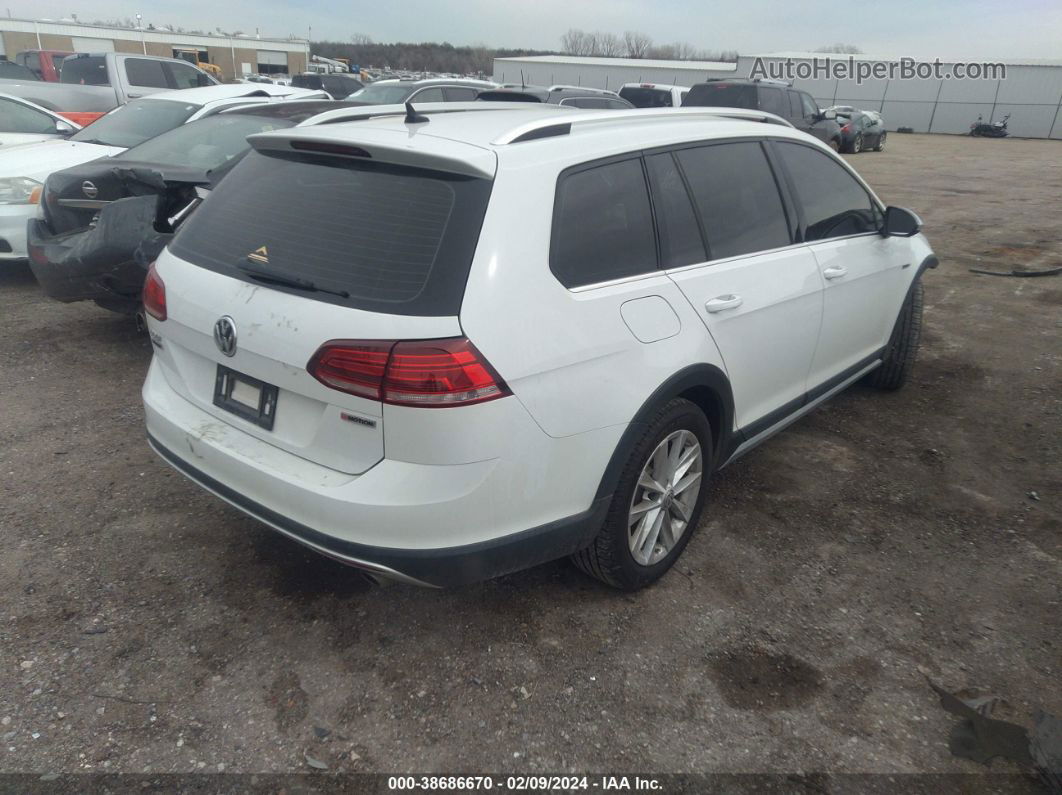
(254, 400)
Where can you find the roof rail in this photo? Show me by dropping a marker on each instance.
(563, 87)
(598, 118)
(427, 108)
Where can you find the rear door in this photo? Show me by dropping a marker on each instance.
(863, 273)
(388, 249)
(759, 296)
(797, 113)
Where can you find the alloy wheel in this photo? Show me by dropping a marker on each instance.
(664, 497)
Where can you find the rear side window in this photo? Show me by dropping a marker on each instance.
(680, 235)
(772, 100)
(795, 111)
(458, 94)
(737, 198)
(142, 72)
(834, 203)
(602, 225)
(88, 71)
(428, 95)
(393, 239)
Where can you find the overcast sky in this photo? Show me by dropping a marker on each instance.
(964, 29)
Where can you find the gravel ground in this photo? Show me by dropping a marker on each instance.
(886, 538)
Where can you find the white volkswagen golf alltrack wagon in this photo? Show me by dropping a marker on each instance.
(453, 343)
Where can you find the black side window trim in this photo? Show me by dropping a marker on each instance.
(791, 187)
(589, 165)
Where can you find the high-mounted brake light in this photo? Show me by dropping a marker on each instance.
(425, 373)
(154, 294)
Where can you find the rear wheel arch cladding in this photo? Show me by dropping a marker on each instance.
(708, 388)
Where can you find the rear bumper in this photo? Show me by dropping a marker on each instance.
(439, 568)
(432, 524)
(13, 218)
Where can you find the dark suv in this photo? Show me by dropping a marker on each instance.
(573, 96)
(771, 96)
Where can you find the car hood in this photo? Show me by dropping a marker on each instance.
(38, 160)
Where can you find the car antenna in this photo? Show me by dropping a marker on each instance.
(412, 117)
(522, 83)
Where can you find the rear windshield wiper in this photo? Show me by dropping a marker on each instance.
(288, 281)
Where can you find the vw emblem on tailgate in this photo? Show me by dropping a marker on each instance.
(90, 189)
(225, 335)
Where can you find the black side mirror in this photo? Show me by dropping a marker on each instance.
(900, 222)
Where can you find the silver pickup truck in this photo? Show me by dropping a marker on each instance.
(97, 83)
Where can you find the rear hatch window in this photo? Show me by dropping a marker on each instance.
(722, 95)
(642, 97)
(362, 234)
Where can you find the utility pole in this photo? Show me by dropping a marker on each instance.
(140, 27)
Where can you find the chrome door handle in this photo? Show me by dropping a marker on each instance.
(723, 302)
(835, 272)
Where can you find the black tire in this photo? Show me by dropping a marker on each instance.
(857, 144)
(902, 350)
(881, 143)
(609, 558)
(835, 144)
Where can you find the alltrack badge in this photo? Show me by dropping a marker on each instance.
(225, 335)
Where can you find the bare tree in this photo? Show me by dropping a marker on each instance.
(845, 49)
(574, 42)
(590, 43)
(609, 44)
(360, 38)
(637, 44)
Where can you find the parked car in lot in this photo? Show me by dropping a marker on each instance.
(796, 106)
(26, 167)
(92, 84)
(22, 122)
(104, 222)
(653, 95)
(393, 92)
(505, 340)
(568, 96)
(861, 130)
(338, 84)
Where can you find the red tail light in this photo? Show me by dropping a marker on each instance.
(154, 294)
(427, 373)
(847, 128)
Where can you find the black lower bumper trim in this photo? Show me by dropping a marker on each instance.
(443, 567)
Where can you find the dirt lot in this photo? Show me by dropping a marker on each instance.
(146, 626)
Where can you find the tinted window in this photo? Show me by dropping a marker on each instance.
(383, 93)
(187, 76)
(339, 86)
(773, 101)
(808, 104)
(834, 203)
(602, 225)
(795, 111)
(617, 104)
(306, 81)
(586, 103)
(135, 122)
(434, 94)
(461, 94)
(142, 72)
(396, 239)
(32, 61)
(18, 118)
(722, 95)
(680, 235)
(88, 71)
(737, 198)
(205, 144)
(646, 97)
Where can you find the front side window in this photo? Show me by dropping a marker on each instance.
(809, 106)
(187, 76)
(602, 225)
(383, 93)
(645, 97)
(772, 101)
(737, 198)
(834, 203)
(18, 118)
(795, 110)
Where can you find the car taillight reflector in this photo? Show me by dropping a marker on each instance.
(426, 373)
(154, 294)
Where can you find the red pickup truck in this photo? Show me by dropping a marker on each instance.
(46, 64)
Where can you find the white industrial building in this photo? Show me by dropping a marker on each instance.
(1031, 92)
